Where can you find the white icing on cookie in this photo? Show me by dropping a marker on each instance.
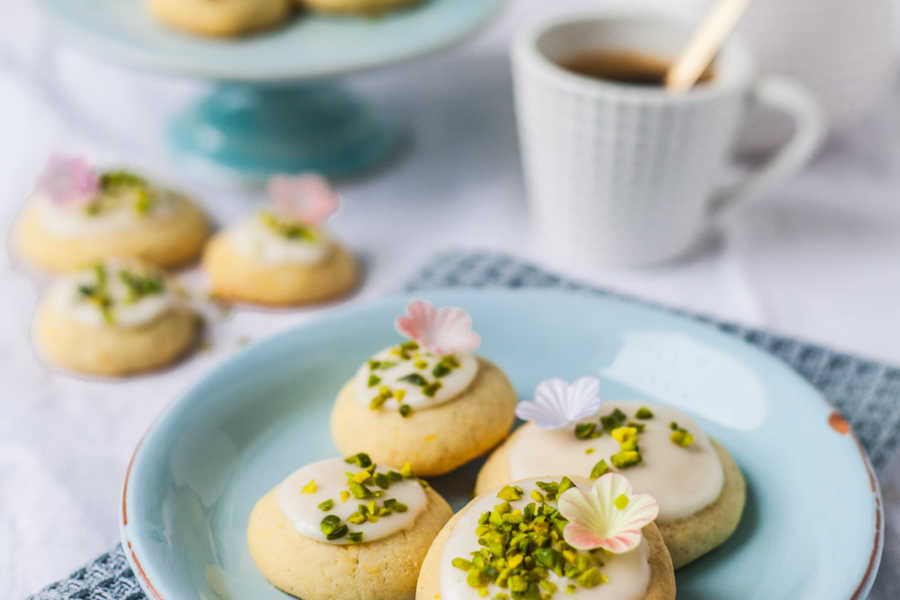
(125, 309)
(628, 574)
(118, 213)
(300, 501)
(683, 480)
(260, 243)
(405, 371)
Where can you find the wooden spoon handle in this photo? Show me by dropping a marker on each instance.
(704, 44)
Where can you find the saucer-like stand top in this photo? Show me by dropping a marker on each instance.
(812, 527)
(275, 108)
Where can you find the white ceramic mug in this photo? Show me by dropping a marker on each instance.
(630, 175)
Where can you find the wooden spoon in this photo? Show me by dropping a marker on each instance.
(704, 44)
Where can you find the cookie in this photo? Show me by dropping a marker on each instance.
(116, 214)
(700, 489)
(359, 7)
(429, 401)
(118, 318)
(643, 573)
(282, 255)
(235, 275)
(286, 535)
(225, 18)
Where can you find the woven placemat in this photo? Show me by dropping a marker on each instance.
(866, 392)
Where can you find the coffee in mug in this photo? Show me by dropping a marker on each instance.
(622, 66)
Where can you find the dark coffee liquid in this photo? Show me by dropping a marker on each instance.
(622, 66)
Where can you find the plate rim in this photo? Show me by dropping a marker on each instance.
(116, 53)
(835, 419)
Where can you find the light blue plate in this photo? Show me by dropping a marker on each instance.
(273, 111)
(307, 47)
(813, 524)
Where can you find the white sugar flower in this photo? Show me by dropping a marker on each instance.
(558, 404)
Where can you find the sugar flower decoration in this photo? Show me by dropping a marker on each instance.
(303, 198)
(68, 180)
(608, 517)
(558, 404)
(444, 331)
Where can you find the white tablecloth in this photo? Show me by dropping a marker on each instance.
(817, 259)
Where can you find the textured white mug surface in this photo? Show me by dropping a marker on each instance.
(628, 175)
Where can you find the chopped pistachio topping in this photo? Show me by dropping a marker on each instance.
(381, 365)
(309, 488)
(432, 388)
(333, 528)
(361, 460)
(590, 450)
(611, 421)
(288, 229)
(643, 413)
(415, 379)
(625, 433)
(409, 354)
(98, 293)
(140, 286)
(586, 431)
(440, 370)
(600, 469)
(520, 547)
(510, 492)
(358, 487)
(114, 183)
(680, 436)
(405, 410)
(625, 459)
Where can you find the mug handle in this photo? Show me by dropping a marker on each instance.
(785, 95)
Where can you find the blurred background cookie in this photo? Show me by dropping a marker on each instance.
(118, 317)
(220, 17)
(78, 215)
(282, 255)
(364, 7)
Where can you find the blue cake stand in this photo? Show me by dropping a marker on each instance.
(275, 106)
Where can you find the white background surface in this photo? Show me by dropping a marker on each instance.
(818, 259)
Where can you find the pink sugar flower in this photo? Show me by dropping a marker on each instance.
(68, 180)
(608, 517)
(306, 198)
(444, 331)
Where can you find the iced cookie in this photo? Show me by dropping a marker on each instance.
(119, 317)
(700, 489)
(360, 7)
(346, 529)
(78, 215)
(282, 255)
(220, 17)
(430, 400)
(548, 539)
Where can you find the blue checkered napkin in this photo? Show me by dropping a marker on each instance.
(866, 392)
